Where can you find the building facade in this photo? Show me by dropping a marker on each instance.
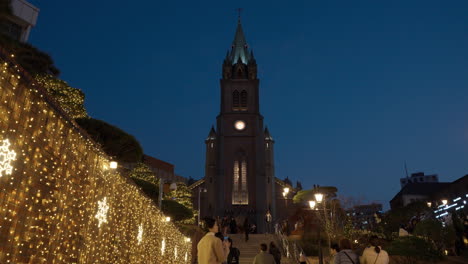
(239, 169)
(418, 178)
(19, 25)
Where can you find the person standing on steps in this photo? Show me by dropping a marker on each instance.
(275, 252)
(211, 250)
(268, 219)
(263, 257)
(234, 253)
(246, 228)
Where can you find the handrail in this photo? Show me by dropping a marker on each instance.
(290, 249)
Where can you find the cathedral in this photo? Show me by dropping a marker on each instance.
(239, 169)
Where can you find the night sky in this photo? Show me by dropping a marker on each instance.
(350, 90)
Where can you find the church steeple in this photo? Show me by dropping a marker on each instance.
(239, 62)
(239, 46)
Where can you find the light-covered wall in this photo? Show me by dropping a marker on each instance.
(59, 200)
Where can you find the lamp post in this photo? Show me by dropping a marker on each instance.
(314, 205)
(200, 190)
(285, 195)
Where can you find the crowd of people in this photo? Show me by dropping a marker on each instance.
(217, 248)
(343, 253)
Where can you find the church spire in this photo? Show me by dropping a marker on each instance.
(239, 46)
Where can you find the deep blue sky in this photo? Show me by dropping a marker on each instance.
(349, 89)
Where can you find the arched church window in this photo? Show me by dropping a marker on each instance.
(240, 195)
(243, 99)
(235, 99)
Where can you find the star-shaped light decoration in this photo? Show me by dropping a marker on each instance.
(6, 157)
(140, 234)
(101, 214)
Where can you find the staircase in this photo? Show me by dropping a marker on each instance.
(248, 250)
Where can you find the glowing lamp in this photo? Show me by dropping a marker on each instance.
(113, 164)
(312, 204)
(318, 197)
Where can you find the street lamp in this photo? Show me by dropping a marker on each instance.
(285, 195)
(429, 204)
(200, 190)
(318, 197)
(444, 202)
(314, 206)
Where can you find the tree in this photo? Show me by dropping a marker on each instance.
(29, 57)
(70, 99)
(176, 211)
(143, 172)
(395, 218)
(5, 9)
(183, 196)
(114, 141)
(329, 212)
(433, 230)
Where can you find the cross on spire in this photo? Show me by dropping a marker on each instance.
(239, 10)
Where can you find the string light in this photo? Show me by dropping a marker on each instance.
(50, 200)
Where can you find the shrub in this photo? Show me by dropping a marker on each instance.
(414, 249)
(114, 141)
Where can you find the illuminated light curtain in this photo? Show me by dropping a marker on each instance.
(235, 190)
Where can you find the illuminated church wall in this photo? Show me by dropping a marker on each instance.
(60, 201)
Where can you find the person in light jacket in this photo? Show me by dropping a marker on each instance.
(375, 254)
(346, 254)
(211, 250)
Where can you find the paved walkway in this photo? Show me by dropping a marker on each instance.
(248, 250)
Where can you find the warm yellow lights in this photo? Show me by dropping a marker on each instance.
(140, 234)
(444, 202)
(312, 204)
(101, 214)
(62, 203)
(113, 165)
(163, 246)
(318, 197)
(167, 219)
(7, 156)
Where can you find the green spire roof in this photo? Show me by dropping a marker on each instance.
(239, 47)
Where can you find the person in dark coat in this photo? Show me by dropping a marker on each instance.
(275, 252)
(246, 228)
(234, 254)
(233, 226)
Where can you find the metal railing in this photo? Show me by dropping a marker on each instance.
(290, 249)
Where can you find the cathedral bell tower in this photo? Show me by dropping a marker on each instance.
(239, 169)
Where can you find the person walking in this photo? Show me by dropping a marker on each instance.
(268, 219)
(275, 252)
(346, 254)
(234, 253)
(211, 250)
(246, 228)
(375, 254)
(263, 257)
(334, 249)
